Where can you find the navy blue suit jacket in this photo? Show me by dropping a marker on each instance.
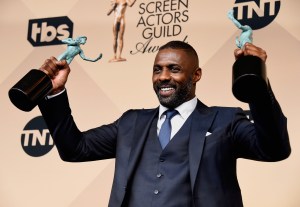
(212, 158)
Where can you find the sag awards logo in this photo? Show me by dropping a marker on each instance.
(256, 13)
(160, 19)
(49, 31)
(36, 139)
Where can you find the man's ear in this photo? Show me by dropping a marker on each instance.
(197, 75)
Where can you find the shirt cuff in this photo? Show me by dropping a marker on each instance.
(52, 96)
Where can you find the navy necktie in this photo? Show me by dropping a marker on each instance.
(165, 130)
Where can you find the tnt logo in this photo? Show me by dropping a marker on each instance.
(36, 139)
(256, 13)
(49, 31)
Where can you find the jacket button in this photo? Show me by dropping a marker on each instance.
(155, 192)
(159, 175)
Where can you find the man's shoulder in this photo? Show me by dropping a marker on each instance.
(136, 112)
(225, 114)
(143, 110)
(226, 109)
(137, 116)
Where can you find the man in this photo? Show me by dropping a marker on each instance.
(119, 8)
(198, 166)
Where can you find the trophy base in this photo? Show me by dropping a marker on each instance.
(30, 90)
(249, 79)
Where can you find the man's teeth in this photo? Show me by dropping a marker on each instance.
(166, 89)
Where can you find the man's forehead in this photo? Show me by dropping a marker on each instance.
(169, 53)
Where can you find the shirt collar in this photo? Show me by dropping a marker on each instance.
(184, 109)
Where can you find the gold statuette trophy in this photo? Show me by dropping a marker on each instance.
(36, 84)
(249, 78)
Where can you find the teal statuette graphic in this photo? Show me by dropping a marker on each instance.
(246, 34)
(74, 49)
(36, 84)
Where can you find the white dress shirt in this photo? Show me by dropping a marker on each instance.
(184, 111)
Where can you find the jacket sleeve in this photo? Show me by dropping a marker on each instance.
(267, 139)
(72, 144)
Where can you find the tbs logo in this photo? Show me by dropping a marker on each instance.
(36, 139)
(256, 13)
(49, 31)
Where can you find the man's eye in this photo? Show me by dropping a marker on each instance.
(156, 70)
(175, 69)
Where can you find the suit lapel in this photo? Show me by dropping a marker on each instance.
(143, 124)
(202, 119)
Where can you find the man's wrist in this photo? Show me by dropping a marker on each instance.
(56, 93)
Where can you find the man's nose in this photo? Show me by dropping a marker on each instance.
(165, 75)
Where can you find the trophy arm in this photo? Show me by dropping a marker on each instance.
(69, 41)
(231, 17)
(89, 59)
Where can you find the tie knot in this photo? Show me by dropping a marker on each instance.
(171, 113)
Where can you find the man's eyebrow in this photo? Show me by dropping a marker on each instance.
(167, 65)
(173, 64)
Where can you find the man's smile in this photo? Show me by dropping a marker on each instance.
(166, 90)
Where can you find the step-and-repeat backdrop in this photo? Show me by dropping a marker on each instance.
(31, 172)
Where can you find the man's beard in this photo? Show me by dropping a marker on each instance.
(181, 95)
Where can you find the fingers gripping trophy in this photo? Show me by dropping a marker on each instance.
(249, 80)
(36, 84)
